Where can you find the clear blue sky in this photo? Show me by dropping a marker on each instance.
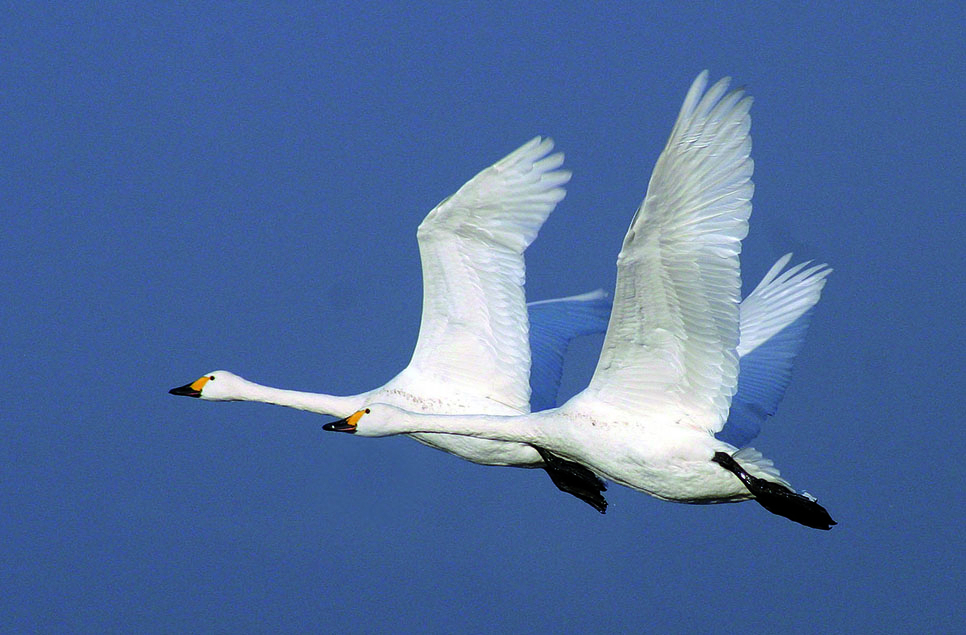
(190, 188)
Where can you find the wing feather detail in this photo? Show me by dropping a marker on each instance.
(672, 337)
(473, 332)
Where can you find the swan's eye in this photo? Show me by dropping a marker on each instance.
(212, 378)
(367, 411)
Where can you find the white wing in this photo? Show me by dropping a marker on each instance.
(670, 344)
(774, 322)
(779, 300)
(473, 332)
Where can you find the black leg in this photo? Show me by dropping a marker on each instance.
(575, 479)
(778, 499)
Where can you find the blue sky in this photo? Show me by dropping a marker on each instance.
(199, 187)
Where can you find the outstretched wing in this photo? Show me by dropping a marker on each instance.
(774, 322)
(553, 323)
(673, 330)
(473, 332)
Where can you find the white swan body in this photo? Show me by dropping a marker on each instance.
(670, 363)
(635, 451)
(782, 298)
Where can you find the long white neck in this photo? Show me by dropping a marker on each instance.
(333, 405)
(516, 428)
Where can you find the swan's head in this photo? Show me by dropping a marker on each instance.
(376, 420)
(219, 385)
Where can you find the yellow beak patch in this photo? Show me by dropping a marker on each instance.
(353, 419)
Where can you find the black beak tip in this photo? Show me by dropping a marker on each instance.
(339, 426)
(185, 391)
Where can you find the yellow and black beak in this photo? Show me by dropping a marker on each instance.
(345, 425)
(190, 390)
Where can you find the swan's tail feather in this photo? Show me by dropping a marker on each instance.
(757, 465)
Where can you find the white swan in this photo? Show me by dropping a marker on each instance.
(472, 354)
(669, 365)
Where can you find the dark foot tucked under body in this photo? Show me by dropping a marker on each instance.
(778, 499)
(575, 479)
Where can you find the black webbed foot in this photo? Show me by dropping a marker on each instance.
(575, 479)
(777, 498)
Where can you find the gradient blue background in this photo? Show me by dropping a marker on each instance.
(190, 188)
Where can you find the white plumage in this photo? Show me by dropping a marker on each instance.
(669, 365)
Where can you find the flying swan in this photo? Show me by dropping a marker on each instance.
(473, 354)
(669, 367)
